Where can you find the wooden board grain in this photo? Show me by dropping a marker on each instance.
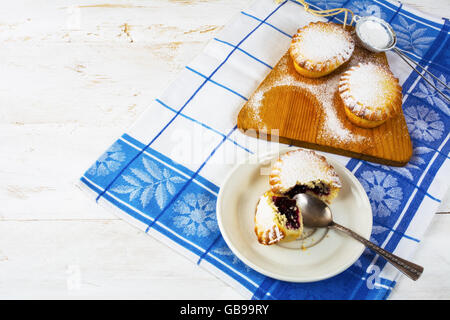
(309, 113)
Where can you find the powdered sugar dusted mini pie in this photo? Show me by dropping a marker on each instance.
(277, 218)
(371, 94)
(320, 47)
(304, 171)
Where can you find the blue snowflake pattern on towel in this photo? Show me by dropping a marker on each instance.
(424, 123)
(383, 190)
(196, 214)
(431, 95)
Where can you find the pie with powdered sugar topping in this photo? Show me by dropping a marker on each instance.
(371, 94)
(304, 171)
(320, 47)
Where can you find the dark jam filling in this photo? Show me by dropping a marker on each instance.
(319, 189)
(288, 208)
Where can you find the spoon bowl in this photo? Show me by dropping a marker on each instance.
(365, 26)
(317, 214)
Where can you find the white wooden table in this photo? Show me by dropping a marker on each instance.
(74, 75)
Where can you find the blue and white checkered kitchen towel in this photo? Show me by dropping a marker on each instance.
(163, 174)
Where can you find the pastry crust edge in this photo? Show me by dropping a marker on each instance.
(309, 68)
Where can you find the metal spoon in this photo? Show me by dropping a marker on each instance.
(317, 214)
(360, 21)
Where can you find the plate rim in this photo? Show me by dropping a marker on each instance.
(259, 158)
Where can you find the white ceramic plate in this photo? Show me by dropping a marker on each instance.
(327, 252)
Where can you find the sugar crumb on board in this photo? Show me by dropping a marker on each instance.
(332, 127)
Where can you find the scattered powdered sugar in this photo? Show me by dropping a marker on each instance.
(333, 127)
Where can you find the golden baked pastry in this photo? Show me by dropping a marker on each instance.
(320, 47)
(304, 171)
(371, 94)
(277, 218)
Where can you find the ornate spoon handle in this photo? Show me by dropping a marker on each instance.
(410, 269)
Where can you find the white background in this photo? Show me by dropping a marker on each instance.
(75, 75)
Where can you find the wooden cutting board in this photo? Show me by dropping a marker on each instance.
(309, 113)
